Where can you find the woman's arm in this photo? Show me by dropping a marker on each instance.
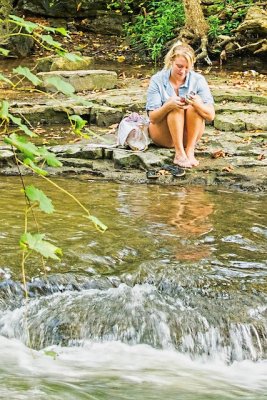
(206, 111)
(159, 114)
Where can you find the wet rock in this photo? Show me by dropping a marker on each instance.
(81, 80)
(104, 115)
(124, 159)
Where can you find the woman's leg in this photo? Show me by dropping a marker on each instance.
(160, 134)
(170, 133)
(195, 126)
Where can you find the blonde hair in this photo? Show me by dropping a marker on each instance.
(180, 49)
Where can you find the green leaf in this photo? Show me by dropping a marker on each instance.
(49, 29)
(50, 158)
(35, 167)
(62, 31)
(61, 85)
(72, 57)
(79, 123)
(97, 223)
(34, 194)
(21, 143)
(24, 71)
(35, 242)
(22, 126)
(4, 110)
(49, 40)
(3, 78)
(4, 51)
(82, 101)
(28, 25)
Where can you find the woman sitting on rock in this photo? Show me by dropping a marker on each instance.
(178, 103)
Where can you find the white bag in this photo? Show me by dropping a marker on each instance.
(133, 132)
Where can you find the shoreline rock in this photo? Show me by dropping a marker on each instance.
(232, 152)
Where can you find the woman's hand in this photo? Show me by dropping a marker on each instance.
(176, 103)
(206, 111)
(194, 99)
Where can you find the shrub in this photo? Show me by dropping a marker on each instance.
(156, 24)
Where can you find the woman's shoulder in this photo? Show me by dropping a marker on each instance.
(160, 75)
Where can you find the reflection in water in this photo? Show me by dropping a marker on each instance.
(188, 210)
(192, 212)
(193, 219)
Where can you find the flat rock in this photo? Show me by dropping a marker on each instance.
(81, 80)
(241, 121)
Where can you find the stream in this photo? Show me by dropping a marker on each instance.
(169, 303)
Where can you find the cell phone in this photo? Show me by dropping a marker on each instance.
(189, 96)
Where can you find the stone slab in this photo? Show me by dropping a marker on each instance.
(81, 80)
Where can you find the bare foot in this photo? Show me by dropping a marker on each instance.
(191, 157)
(182, 162)
(194, 162)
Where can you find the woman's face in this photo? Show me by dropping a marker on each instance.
(179, 67)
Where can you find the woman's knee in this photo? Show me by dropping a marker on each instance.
(191, 113)
(175, 113)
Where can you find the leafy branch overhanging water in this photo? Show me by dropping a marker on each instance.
(19, 136)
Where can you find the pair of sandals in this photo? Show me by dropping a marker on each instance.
(166, 170)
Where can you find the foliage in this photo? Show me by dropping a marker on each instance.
(121, 6)
(126, 6)
(19, 136)
(37, 243)
(230, 14)
(155, 26)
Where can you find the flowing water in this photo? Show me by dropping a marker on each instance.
(170, 303)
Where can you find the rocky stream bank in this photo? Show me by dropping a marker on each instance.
(232, 152)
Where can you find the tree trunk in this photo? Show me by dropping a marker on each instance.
(197, 27)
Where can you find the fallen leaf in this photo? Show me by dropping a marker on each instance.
(261, 157)
(164, 172)
(247, 139)
(228, 168)
(120, 59)
(218, 154)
